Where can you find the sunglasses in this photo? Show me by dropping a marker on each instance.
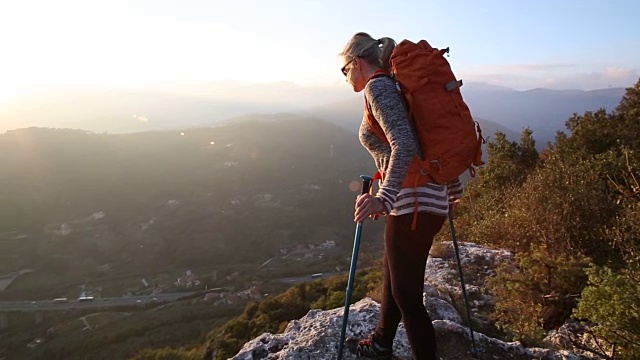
(344, 68)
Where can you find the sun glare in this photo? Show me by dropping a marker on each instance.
(7, 93)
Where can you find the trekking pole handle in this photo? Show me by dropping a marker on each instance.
(366, 183)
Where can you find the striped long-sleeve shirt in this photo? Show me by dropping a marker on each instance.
(395, 157)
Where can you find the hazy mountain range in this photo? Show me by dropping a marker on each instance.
(544, 111)
(119, 110)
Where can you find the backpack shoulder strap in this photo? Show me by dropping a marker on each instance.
(374, 126)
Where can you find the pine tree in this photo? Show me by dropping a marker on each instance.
(501, 170)
(527, 153)
(630, 103)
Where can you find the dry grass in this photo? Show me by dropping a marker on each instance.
(376, 294)
(442, 249)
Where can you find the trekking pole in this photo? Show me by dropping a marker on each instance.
(366, 185)
(464, 291)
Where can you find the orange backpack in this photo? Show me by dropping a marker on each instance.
(450, 139)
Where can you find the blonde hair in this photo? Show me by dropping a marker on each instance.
(375, 52)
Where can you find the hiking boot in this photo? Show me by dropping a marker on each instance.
(368, 348)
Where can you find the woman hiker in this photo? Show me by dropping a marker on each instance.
(405, 250)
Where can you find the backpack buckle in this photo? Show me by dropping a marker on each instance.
(453, 85)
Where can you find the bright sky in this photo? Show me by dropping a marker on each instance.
(517, 43)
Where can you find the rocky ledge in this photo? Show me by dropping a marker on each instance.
(316, 335)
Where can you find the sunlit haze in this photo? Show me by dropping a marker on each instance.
(590, 43)
(60, 50)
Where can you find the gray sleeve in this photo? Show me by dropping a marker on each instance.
(388, 109)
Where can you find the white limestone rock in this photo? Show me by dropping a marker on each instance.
(316, 335)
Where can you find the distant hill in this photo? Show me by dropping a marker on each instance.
(122, 110)
(194, 105)
(231, 194)
(544, 111)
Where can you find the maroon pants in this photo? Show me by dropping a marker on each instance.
(405, 258)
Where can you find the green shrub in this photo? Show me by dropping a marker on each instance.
(535, 293)
(611, 302)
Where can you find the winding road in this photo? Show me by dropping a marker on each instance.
(73, 304)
